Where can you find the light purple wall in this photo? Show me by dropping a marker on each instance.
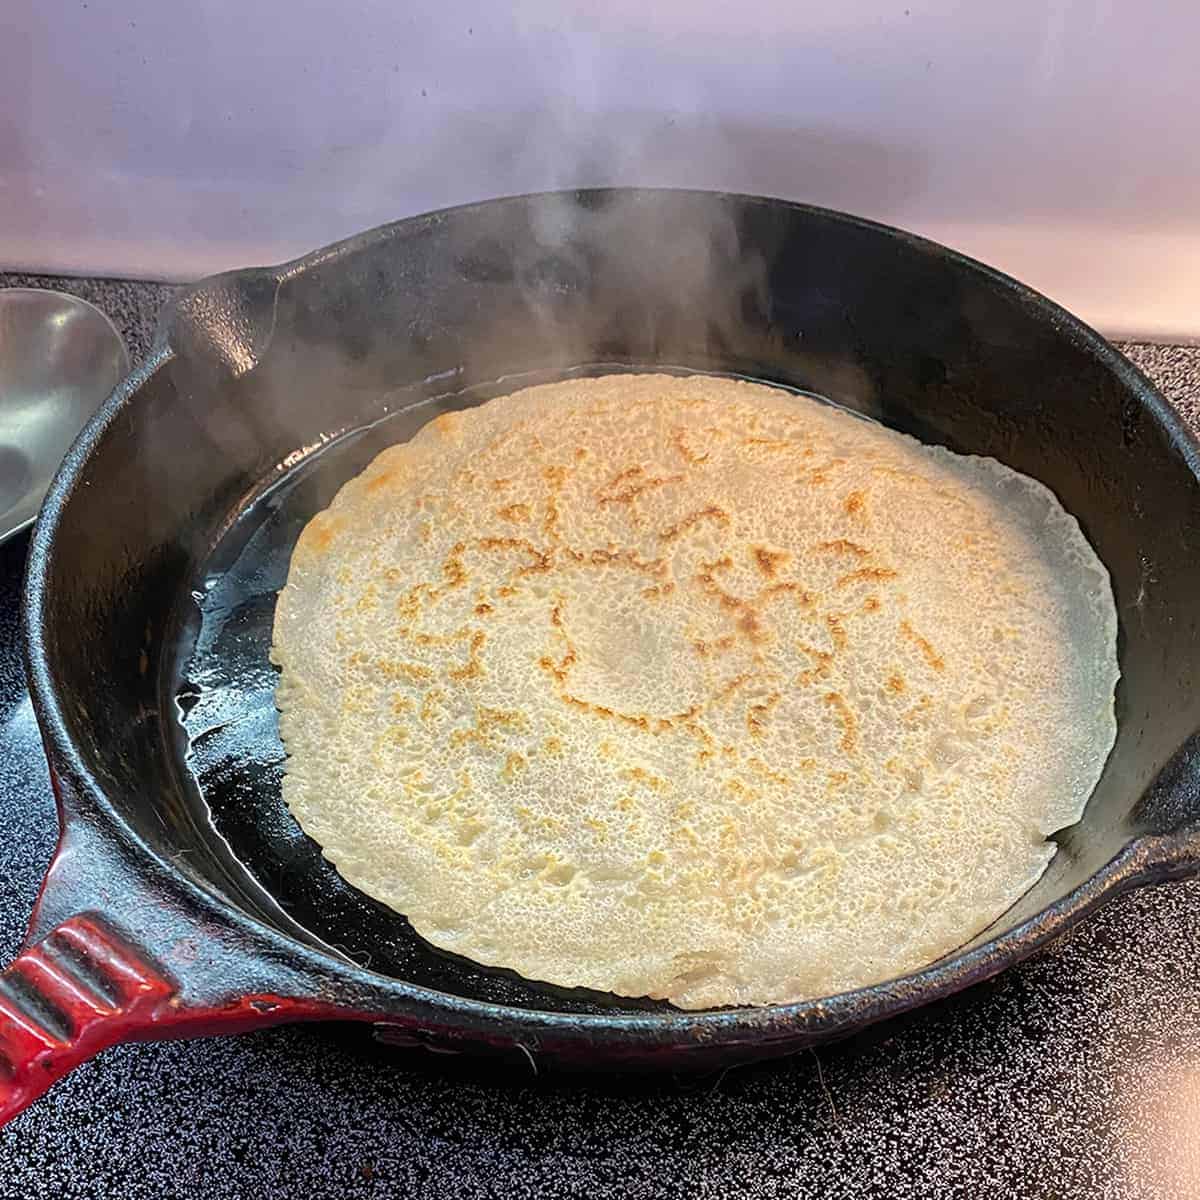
(1057, 139)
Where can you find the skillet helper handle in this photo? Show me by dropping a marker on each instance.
(77, 991)
(1173, 855)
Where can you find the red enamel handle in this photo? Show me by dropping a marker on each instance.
(76, 992)
(83, 984)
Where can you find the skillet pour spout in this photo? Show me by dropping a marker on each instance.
(183, 900)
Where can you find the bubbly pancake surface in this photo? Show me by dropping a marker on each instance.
(691, 688)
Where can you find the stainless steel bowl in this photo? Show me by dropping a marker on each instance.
(59, 358)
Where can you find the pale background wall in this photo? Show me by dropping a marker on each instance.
(1059, 140)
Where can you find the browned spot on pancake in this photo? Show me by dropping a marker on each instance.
(842, 546)
(732, 686)
(865, 575)
(637, 720)
(601, 558)
(870, 604)
(748, 621)
(716, 647)
(685, 451)
(769, 561)
(749, 624)
(409, 605)
(747, 612)
(895, 683)
(702, 735)
(758, 715)
(833, 622)
(487, 721)
(790, 587)
(631, 483)
(580, 453)
(413, 672)
(706, 578)
(472, 668)
(552, 745)
(382, 480)
(320, 533)
(559, 669)
(436, 639)
(738, 788)
(540, 560)
(429, 704)
(482, 610)
(662, 589)
(624, 476)
(654, 782)
(460, 737)
(712, 512)
(822, 664)
(454, 571)
(514, 512)
(555, 476)
(501, 485)
(512, 764)
(845, 715)
(918, 710)
(447, 425)
(640, 721)
(855, 503)
(760, 768)
(499, 718)
(932, 657)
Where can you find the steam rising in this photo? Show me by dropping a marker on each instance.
(456, 299)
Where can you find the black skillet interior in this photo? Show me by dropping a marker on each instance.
(176, 536)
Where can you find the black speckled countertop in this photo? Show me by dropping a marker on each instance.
(1076, 1074)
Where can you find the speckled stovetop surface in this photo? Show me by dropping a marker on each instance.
(1076, 1074)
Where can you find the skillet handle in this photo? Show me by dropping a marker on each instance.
(82, 983)
(1168, 813)
(76, 992)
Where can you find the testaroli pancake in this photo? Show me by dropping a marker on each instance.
(691, 688)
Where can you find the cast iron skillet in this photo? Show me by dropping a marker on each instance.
(184, 900)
